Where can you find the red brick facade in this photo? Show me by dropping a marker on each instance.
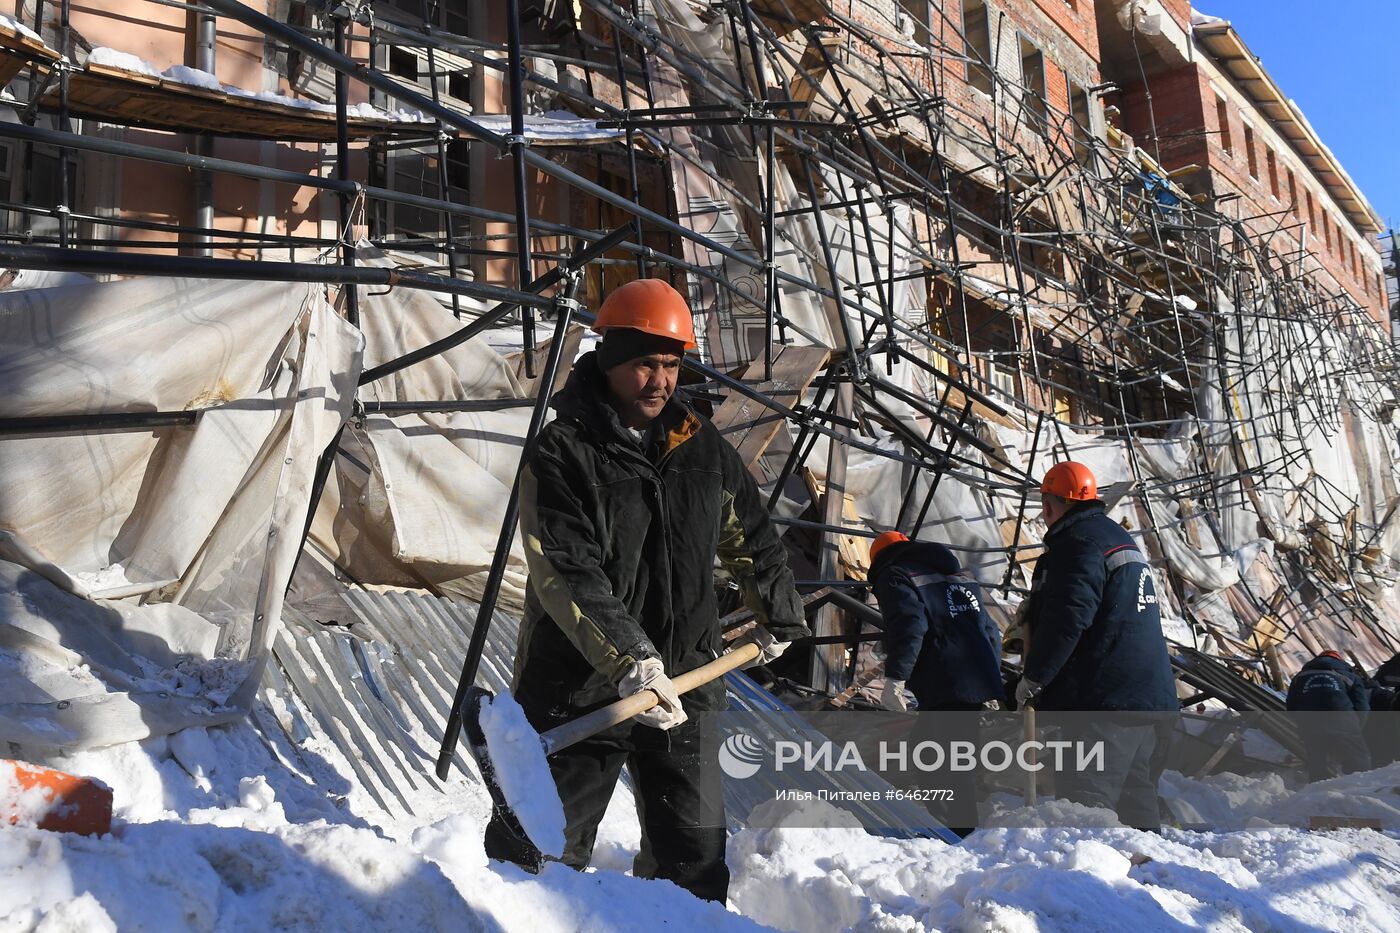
(1076, 39)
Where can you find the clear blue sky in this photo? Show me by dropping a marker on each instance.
(1340, 61)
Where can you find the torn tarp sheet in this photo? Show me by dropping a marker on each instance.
(204, 516)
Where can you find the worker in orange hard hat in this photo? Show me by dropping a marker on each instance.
(625, 504)
(1333, 701)
(1094, 642)
(940, 642)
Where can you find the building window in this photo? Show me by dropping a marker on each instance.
(1312, 218)
(1292, 193)
(918, 19)
(1272, 161)
(403, 63)
(1327, 230)
(1222, 117)
(1033, 85)
(1082, 120)
(1249, 152)
(978, 36)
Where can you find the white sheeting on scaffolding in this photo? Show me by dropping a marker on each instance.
(429, 496)
(732, 329)
(205, 519)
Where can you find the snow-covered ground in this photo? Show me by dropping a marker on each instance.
(216, 830)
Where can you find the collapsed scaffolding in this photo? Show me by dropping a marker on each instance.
(907, 307)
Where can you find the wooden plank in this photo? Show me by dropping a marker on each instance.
(1342, 822)
(852, 550)
(750, 426)
(116, 96)
(13, 40)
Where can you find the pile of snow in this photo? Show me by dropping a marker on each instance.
(216, 830)
(122, 61)
(1061, 879)
(1234, 802)
(1201, 19)
(553, 126)
(219, 829)
(195, 77)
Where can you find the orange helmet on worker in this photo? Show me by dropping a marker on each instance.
(1070, 480)
(651, 306)
(884, 540)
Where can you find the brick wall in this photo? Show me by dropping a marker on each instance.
(1229, 171)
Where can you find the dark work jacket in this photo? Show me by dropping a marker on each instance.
(1328, 685)
(938, 636)
(621, 543)
(1095, 632)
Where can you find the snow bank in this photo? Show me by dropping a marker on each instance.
(218, 830)
(1031, 879)
(1232, 801)
(222, 829)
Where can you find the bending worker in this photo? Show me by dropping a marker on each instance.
(626, 502)
(939, 640)
(941, 644)
(1094, 643)
(1333, 744)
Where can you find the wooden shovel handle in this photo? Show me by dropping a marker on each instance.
(577, 730)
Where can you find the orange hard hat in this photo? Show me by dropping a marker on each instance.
(885, 540)
(54, 800)
(1070, 480)
(651, 306)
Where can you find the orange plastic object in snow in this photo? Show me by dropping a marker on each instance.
(53, 800)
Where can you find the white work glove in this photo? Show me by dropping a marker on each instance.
(1026, 691)
(892, 697)
(770, 649)
(650, 674)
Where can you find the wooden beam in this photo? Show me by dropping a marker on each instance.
(751, 426)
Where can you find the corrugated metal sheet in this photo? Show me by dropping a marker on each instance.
(380, 688)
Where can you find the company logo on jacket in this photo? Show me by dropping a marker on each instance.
(961, 599)
(1147, 592)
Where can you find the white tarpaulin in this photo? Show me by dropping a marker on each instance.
(207, 516)
(425, 493)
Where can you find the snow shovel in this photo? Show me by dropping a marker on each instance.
(53, 800)
(511, 755)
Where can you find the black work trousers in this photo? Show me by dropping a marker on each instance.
(680, 805)
(1333, 744)
(1126, 782)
